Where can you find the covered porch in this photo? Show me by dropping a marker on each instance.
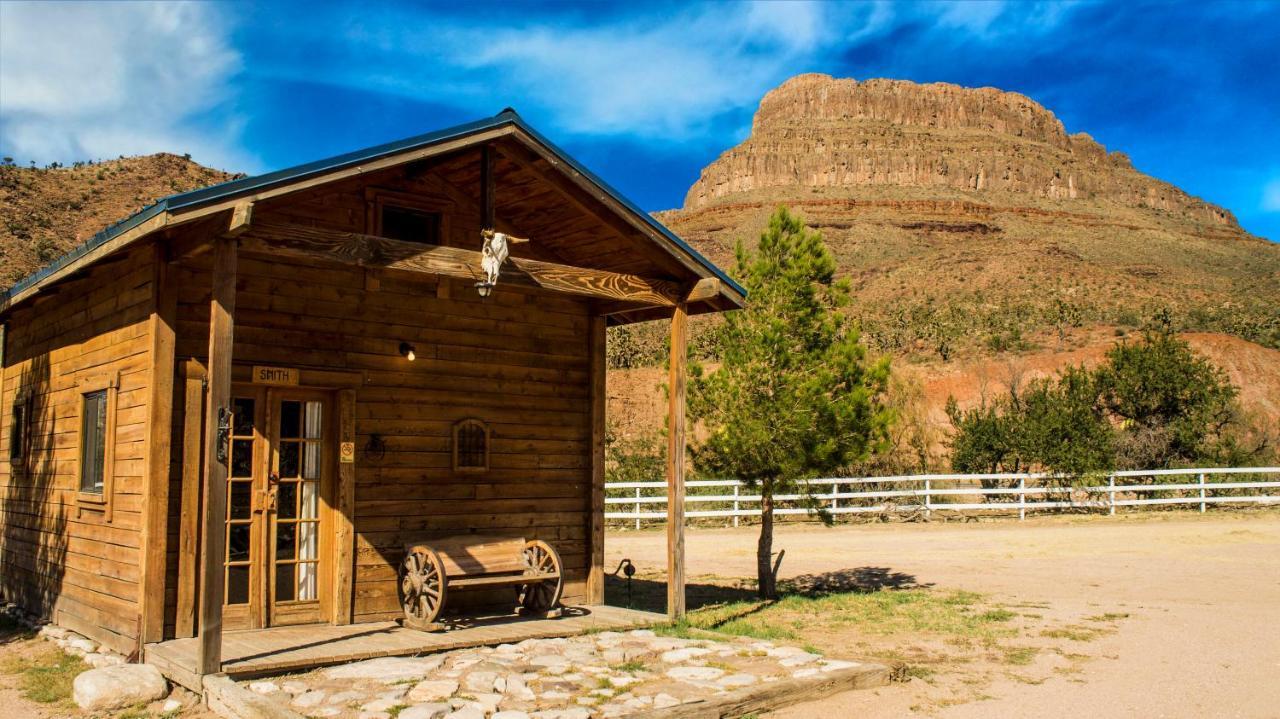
(279, 650)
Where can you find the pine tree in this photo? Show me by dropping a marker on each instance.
(794, 396)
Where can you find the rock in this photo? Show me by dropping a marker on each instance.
(294, 687)
(695, 674)
(309, 699)
(675, 656)
(118, 687)
(433, 710)
(344, 697)
(326, 712)
(737, 680)
(831, 665)
(374, 715)
(432, 690)
(379, 705)
(510, 714)
(264, 687)
(53, 631)
(467, 712)
(662, 701)
(170, 705)
(806, 672)
(97, 661)
(80, 644)
(486, 701)
(796, 660)
(642, 633)
(387, 670)
(480, 681)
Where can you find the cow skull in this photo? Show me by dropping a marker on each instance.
(492, 255)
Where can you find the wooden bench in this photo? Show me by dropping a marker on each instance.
(434, 567)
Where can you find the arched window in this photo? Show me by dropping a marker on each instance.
(471, 446)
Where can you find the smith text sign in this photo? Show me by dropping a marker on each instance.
(275, 375)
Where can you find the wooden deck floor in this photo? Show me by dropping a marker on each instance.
(288, 649)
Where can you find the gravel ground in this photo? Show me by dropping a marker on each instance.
(1200, 595)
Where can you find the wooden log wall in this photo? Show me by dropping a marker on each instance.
(517, 360)
(73, 564)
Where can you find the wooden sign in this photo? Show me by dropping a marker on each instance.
(275, 375)
(347, 452)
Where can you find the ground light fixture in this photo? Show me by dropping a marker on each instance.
(407, 351)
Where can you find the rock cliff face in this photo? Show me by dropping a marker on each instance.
(820, 132)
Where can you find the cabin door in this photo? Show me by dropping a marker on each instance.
(280, 473)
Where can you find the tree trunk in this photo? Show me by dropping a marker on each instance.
(764, 549)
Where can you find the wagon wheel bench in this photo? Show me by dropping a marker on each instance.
(431, 569)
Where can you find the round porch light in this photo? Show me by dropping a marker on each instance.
(406, 350)
(484, 288)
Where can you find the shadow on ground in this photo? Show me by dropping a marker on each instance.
(650, 593)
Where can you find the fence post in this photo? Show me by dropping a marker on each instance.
(928, 504)
(1111, 494)
(1022, 498)
(1202, 492)
(835, 503)
(735, 503)
(637, 507)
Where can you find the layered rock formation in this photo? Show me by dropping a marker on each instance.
(818, 131)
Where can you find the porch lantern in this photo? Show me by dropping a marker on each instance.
(406, 351)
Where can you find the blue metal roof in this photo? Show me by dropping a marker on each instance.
(249, 185)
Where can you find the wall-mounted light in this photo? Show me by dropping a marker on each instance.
(406, 351)
(484, 288)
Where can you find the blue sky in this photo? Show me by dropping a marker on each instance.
(644, 94)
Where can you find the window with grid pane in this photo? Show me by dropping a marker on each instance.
(93, 441)
(471, 446)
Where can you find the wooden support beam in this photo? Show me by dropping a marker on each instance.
(222, 307)
(370, 251)
(675, 462)
(703, 290)
(344, 517)
(241, 219)
(595, 545)
(155, 515)
(193, 376)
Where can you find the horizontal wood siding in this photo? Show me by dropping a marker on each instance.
(77, 566)
(517, 360)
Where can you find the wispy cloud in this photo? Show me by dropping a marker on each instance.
(81, 80)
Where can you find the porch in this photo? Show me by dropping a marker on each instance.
(280, 650)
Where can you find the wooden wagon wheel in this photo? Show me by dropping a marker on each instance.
(422, 585)
(545, 595)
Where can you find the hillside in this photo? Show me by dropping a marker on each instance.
(969, 220)
(46, 211)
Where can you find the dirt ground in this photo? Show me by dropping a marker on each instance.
(1146, 615)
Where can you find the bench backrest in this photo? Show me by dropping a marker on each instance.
(471, 554)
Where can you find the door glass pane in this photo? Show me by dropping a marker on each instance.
(242, 407)
(238, 543)
(290, 419)
(289, 459)
(238, 584)
(241, 458)
(241, 502)
(312, 425)
(287, 500)
(307, 581)
(284, 582)
(310, 503)
(307, 540)
(311, 463)
(286, 540)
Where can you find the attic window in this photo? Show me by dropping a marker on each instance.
(470, 446)
(410, 225)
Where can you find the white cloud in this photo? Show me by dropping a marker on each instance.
(86, 81)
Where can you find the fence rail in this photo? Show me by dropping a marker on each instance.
(930, 493)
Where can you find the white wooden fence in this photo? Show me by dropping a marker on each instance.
(930, 493)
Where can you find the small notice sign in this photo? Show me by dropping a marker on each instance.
(347, 452)
(275, 375)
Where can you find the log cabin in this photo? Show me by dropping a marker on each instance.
(233, 408)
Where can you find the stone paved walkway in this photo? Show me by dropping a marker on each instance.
(609, 674)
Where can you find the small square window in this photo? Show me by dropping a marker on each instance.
(402, 223)
(93, 442)
(19, 430)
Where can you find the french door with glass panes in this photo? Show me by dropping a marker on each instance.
(278, 480)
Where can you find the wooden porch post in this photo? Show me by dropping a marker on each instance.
(675, 462)
(212, 531)
(595, 551)
(155, 522)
